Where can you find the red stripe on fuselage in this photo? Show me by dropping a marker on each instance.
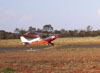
(46, 40)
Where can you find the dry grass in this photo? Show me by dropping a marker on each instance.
(59, 41)
(78, 40)
(52, 61)
(10, 42)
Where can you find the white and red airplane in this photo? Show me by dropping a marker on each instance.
(40, 38)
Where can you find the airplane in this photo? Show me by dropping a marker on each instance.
(40, 38)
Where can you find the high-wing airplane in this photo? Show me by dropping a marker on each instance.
(40, 38)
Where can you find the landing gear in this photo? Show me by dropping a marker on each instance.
(52, 44)
(47, 44)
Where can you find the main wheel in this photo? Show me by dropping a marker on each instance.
(52, 44)
(47, 44)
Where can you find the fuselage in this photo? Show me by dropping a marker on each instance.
(46, 40)
(38, 40)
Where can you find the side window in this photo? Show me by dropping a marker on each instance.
(48, 35)
(43, 36)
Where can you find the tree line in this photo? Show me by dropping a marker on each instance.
(48, 29)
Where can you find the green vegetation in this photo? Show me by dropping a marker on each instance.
(48, 29)
(7, 70)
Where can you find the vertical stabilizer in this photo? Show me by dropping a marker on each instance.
(23, 39)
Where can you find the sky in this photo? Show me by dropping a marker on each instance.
(61, 14)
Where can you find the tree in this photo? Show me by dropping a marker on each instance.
(31, 29)
(11, 36)
(3, 34)
(82, 33)
(56, 32)
(71, 32)
(89, 28)
(48, 28)
(39, 30)
(75, 33)
(62, 33)
(22, 31)
(17, 30)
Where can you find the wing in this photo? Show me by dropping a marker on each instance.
(42, 35)
(35, 34)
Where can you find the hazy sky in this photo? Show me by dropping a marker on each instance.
(61, 14)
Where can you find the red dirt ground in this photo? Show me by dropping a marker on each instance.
(52, 61)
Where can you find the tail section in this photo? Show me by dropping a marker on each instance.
(24, 40)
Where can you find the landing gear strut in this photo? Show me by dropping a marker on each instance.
(50, 44)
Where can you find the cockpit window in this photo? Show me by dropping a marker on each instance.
(45, 36)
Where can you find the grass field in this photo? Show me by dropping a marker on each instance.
(59, 41)
(78, 40)
(52, 59)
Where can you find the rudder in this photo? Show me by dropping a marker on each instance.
(23, 39)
